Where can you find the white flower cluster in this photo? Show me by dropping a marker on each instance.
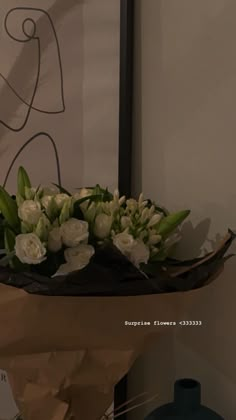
(48, 225)
(130, 224)
(61, 231)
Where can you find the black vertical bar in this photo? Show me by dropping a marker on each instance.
(125, 130)
(126, 95)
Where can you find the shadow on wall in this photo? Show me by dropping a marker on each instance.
(214, 342)
(193, 239)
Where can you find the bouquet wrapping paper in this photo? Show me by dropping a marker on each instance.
(65, 354)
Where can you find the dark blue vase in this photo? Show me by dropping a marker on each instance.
(186, 405)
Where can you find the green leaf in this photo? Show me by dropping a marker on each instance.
(169, 223)
(77, 212)
(42, 228)
(9, 240)
(9, 243)
(22, 181)
(162, 210)
(62, 190)
(26, 227)
(105, 194)
(52, 210)
(65, 212)
(11, 259)
(19, 199)
(7, 260)
(8, 208)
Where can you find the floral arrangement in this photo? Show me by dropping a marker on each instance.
(51, 231)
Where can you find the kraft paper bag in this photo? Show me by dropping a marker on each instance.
(64, 354)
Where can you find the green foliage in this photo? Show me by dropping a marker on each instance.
(169, 224)
(23, 181)
(9, 209)
(9, 240)
(62, 190)
(65, 212)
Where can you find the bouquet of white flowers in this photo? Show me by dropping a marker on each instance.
(91, 253)
(50, 231)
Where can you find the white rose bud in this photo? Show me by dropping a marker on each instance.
(140, 254)
(46, 200)
(124, 242)
(76, 259)
(50, 191)
(30, 212)
(74, 232)
(60, 200)
(55, 240)
(84, 192)
(29, 249)
(102, 226)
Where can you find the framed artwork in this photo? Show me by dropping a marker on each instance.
(65, 92)
(66, 95)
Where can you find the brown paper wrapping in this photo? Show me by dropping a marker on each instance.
(64, 355)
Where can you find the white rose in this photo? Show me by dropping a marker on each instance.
(30, 212)
(102, 226)
(135, 250)
(76, 259)
(29, 249)
(124, 242)
(140, 253)
(74, 232)
(55, 240)
(60, 200)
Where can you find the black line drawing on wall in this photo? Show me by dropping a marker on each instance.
(32, 139)
(31, 32)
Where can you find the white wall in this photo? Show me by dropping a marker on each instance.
(185, 135)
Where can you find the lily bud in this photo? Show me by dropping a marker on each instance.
(65, 212)
(154, 220)
(144, 215)
(122, 200)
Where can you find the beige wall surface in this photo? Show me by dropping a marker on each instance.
(184, 157)
(84, 36)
